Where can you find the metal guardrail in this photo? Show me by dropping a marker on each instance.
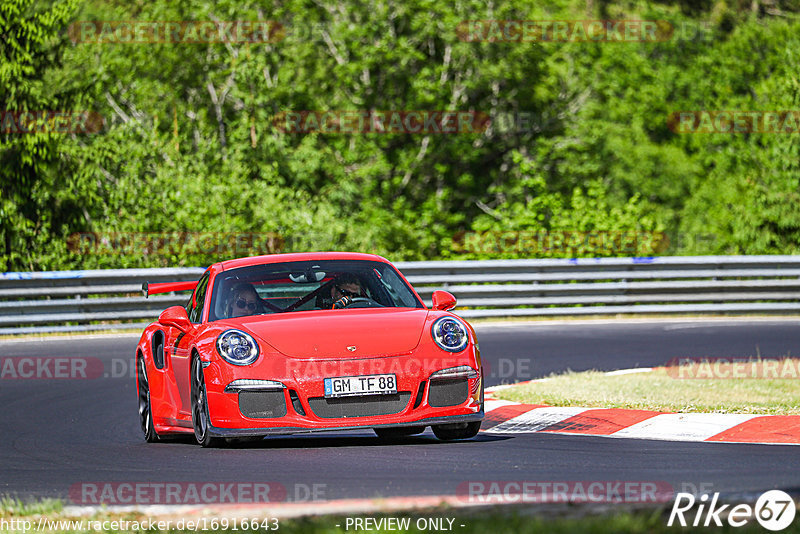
(68, 301)
(101, 299)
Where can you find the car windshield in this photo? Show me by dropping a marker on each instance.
(309, 285)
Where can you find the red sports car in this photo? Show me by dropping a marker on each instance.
(292, 343)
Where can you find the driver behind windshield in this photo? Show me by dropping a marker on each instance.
(344, 289)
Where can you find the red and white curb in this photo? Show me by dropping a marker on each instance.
(506, 417)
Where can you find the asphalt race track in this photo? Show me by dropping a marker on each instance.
(59, 433)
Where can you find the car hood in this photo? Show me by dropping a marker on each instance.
(356, 333)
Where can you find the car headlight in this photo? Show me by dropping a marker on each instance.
(237, 347)
(450, 334)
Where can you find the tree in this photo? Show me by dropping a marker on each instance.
(38, 200)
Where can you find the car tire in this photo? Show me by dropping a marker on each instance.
(200, 419)
(398, 432)
(457, 430)
(145, 408)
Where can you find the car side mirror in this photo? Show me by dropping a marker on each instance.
(176, 316)
(442, 300)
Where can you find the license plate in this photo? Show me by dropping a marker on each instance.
(344, 386)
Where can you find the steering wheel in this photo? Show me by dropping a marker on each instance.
(346, 302)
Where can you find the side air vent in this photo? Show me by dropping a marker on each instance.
(296, 404)
(420, 394)
(157, 344)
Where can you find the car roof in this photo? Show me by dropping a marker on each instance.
(298, 256)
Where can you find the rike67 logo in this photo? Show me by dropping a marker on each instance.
(774, 510)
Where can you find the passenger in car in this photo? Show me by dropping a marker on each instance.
(244, 300)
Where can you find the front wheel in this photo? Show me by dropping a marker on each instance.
(457, 430)
(200, 419)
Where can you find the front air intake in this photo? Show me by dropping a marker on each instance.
(443, 393)
(262, 404)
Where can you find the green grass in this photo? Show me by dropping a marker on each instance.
(10, 507)
(524, 522)
(659, 391)
(519, 520)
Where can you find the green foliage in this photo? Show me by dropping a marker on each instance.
(537, 222)
(190, 141)
(37, 200)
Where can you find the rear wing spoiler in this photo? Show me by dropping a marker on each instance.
(167, 287)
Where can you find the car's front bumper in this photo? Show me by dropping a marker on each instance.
(301, 406)
(267, 431)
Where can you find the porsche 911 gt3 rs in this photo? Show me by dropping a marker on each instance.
(294, 343)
